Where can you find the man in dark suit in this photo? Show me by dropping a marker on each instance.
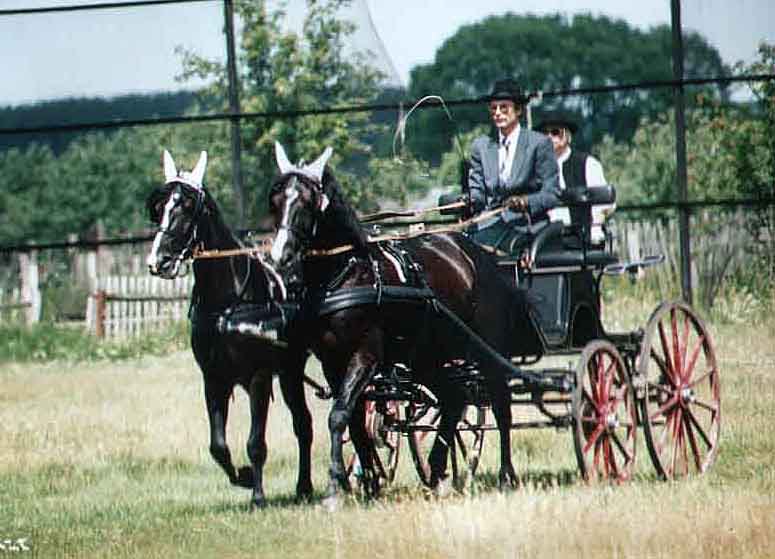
(515, 167)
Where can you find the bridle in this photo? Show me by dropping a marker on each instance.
(188, 237)
(313, 211)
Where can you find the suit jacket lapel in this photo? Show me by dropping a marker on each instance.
(491, 162)
(519, 156)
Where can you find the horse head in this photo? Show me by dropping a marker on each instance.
(297, 201)
(176, 207)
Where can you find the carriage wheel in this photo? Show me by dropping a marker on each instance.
(680, 404)
(604, 415)
(385, 438)
(422, 421)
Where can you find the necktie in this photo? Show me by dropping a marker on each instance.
(504, 157)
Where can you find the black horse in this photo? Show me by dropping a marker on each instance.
(369, 305)
(188, 218)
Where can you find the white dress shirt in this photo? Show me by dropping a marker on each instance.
(507, 146)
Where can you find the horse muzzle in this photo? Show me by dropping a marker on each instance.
(164, 267)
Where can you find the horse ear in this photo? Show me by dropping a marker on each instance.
(316, 168)
(170, 171)
(198, 174)
(282, 160)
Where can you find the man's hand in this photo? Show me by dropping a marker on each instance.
(517, 203)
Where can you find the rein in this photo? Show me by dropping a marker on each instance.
(200, 254)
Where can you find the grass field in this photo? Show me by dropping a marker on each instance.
(110, 460)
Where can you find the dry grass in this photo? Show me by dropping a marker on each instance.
(110, 460)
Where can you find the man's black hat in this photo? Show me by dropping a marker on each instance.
(556, 120)
(507, 89)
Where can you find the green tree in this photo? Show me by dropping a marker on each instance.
(282, 70)
(98, 178)
(555, 53)
(730, 154)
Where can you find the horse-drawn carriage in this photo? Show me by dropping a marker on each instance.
(663, 378)
(425, 333)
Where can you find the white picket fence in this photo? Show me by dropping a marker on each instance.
(123, 306)
(23, 303)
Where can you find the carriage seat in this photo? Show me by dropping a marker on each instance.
(569, 246)
(557, 245)
(581, 203)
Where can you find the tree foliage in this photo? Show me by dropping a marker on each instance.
(281, 70)
(554, 53)
(730, 154)
(106, 177)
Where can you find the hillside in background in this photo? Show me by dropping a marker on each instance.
(80, 110)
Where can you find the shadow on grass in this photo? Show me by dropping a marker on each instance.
(535, 479)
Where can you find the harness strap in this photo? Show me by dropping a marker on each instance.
(360, 296)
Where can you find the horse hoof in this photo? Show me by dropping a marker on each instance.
(331, 503)
(257, 503)
(304, 492)
(304, 497)
(443, 488)
(245, 478)
(508, 484)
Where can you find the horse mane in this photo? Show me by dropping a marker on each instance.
(343, 211)
(216, 217)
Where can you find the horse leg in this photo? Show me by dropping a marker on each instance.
(260, 392)
(358, 375)
(452, 404)
(501, 408)
(292, 387)
(217, 399)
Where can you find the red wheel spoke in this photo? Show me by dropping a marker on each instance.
(667, 354)
(693, 359)
(610, 461)
(597, 362)
(597, 456)
(625, 452)
(664, 367)
(699, 428)
(677, 362)
(699, 380)
(710, 406)
(593, 438)
(608, 380)
(685, 342)
(588, 396)
(665, 408)
(684, 447)
(675, 428)
(693, 440)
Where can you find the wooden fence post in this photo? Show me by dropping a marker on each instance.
(30, 292)
(100, 304)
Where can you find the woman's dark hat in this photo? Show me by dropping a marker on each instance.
(507, 89)
(555, 120)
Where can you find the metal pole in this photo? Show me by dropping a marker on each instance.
(234, 109)
(680, 152)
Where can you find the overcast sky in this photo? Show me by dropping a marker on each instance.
(109, 52)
